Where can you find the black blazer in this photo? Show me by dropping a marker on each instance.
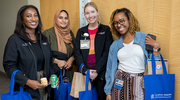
(103, 40)
(19, 55)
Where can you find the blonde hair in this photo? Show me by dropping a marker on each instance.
(133, 22)
(92, 4)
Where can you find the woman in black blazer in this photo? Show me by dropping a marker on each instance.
(28, 50)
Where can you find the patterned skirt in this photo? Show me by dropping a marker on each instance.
(132, 87)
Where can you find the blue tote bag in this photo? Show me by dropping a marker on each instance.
(159, 86)
(63, 92)
(88, 94)
(15, 95)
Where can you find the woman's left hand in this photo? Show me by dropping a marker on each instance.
(152, 42)
(93, 74)
(69, 62)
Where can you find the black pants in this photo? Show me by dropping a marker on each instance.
(99, 84)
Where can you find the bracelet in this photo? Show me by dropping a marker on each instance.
(157, 50)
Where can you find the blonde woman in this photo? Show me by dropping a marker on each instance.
(92, 46)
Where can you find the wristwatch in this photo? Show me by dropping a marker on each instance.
(157, 50)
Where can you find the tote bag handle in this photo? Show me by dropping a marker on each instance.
(61, 77)
(81, 67)
(154, 64)
(88, 79)
(12, 82)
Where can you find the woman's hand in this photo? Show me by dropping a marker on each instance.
(152, 42)
(69, 62)
(93, 74)
(34, 84)
(60, 63)
(108, 97)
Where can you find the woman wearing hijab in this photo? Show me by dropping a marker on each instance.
(61, 40)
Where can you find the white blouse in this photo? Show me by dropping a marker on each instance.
(131, 58)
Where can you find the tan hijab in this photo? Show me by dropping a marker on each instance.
(62, 34)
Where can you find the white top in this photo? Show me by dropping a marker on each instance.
(131, 58)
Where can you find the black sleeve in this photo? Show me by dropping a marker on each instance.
(103, 60)
(54, 69)
(11, 59)
(77, 52)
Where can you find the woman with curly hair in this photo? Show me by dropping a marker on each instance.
(127, 57)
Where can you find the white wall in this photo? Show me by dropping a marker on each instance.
(8, 13)
(35, 3)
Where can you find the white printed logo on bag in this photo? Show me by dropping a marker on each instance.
(161, 96)
(158, 66)
(152, 96)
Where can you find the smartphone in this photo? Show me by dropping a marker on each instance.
(149, 47)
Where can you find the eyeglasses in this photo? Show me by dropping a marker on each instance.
(121, 22)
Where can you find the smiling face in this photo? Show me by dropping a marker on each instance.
(63, 20)
(30, 19)
(121, 23)
(91, 14)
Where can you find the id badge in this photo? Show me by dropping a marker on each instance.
(84, 44)
(118, 84)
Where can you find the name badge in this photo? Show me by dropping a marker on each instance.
(84, 44)
(118, 84)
